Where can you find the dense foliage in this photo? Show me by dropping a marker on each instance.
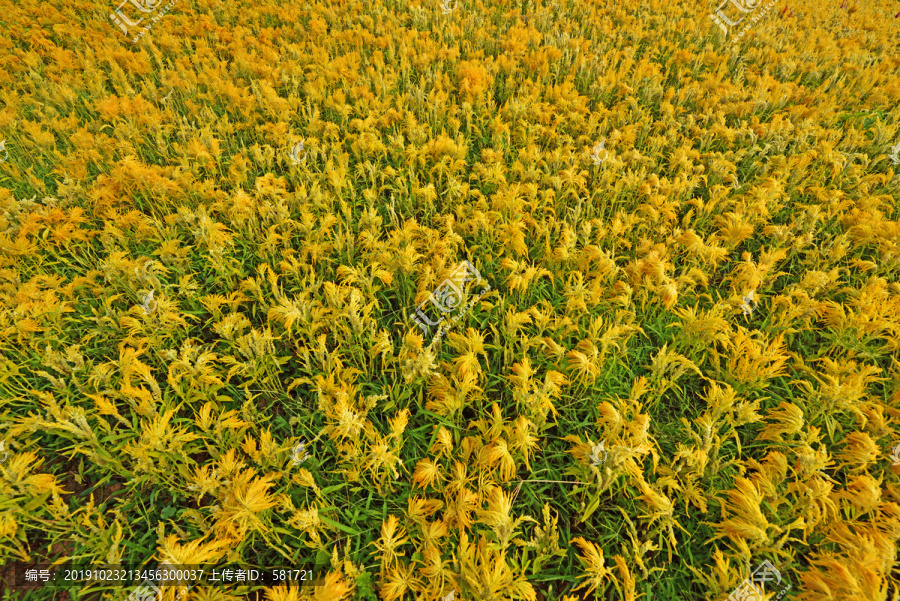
(687, 362)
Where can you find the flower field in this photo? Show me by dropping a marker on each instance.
(451, 300)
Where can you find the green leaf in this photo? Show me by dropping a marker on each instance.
(340, 527)
(591, 508)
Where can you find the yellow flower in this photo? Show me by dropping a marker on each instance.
(595, 571)
(392, 538)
